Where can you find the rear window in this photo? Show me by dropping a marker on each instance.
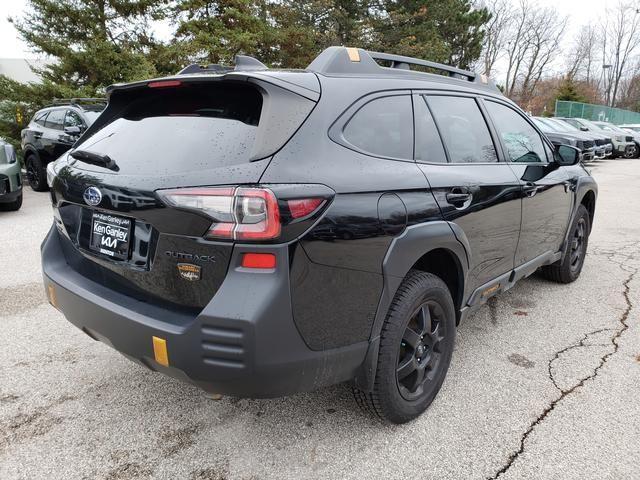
(192, 126)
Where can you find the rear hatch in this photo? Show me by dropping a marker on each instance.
(178, 132)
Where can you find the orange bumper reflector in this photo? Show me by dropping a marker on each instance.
(258, 260)
(51, 294)
(160, 351)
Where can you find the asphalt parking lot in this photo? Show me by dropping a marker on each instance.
(544, 384)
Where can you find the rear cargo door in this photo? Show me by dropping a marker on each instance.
(158, 136)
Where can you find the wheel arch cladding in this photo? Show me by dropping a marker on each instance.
(430, 247)
(589, 201)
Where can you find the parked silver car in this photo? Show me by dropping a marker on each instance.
(623, 145)
(615, 130)
(10, 181)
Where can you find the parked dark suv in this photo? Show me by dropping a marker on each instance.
(52, 131)
(262, 232)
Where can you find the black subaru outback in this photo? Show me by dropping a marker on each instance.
(262, 232)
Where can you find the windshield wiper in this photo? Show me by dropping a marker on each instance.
(95, 159)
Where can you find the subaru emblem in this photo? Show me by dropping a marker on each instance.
(92, 196)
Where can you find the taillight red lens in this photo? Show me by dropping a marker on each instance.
(238, 213)
(302, 207)
(258, 260)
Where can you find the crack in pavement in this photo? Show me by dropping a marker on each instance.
(622, 320)
(581, 343)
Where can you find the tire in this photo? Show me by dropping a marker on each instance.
(36, 173)
(568, 269)
(12, 206)
(399, 396)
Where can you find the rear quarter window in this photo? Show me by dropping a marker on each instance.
(40, 117)
(383, 127)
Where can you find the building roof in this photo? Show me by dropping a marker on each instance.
(19, 69)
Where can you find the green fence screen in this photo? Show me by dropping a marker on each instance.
(588, 111)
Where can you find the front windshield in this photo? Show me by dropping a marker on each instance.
(542, 125)
(590, 125)
(91, 116)
(560, 125)
(611, 128)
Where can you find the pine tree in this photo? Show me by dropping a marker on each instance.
(215, 31)
(568, 91)
(448, 31)
(92, 43)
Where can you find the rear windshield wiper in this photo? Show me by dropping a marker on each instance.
(95, 159)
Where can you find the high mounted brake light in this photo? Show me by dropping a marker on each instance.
(164, 84)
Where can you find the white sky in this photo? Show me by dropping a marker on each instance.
(580, 12)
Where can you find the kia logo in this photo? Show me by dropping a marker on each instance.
(92, 196)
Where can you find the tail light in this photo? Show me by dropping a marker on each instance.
(240, 213)
(302, 207)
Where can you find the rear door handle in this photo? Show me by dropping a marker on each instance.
(458, 197)
(530, 189)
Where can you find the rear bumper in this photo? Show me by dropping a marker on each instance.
(243, 343)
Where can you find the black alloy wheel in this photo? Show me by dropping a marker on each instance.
(416, 344)
(578, 243)
(567, 269)
(420, 350)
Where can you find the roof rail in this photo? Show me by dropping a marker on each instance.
(401, 62)
(77, 101)
(343, 60)
(243, 63)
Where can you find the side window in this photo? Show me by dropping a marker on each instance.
(39, 118)
(522, 140)
(463, 129)
(429, 146)
(383, 127)
(72, 119)
(55, 119)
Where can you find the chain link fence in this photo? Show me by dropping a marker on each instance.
(601, 113)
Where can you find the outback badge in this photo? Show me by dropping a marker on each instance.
(189, 271)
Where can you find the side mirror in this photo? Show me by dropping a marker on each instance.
(584, 129)
(72, 130)
(567, 156)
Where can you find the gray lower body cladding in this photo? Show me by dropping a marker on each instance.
(243, 343)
